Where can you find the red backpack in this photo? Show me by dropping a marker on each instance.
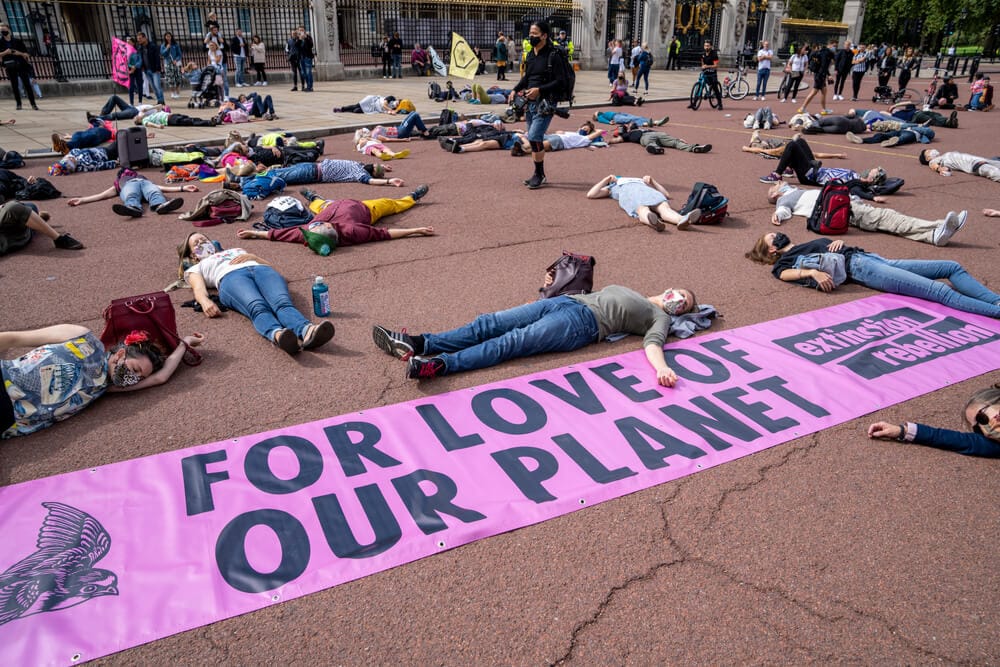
(832, 212)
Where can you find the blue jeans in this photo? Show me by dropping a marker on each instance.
(397, 66)
(762, 76)
(95, 136)
(261, 105)
(297, 174)
(919, 278)
(537, 124)
(411, 121)
(306, 67)
(974, 102)
(642, 76)
(221, 69)
(114, 102)
(260, 293)
(154, 83)
(241, 67)
(134, 86)
(559, 324)
(613, 72)
(626, 118)
(137, 189)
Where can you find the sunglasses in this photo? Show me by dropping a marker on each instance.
(982, 419)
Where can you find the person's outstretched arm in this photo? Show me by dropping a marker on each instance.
(665, 377)
(600, 189)
(969, 444)
(411, 231)
(56, 333)
(170, 365)
(107, 194)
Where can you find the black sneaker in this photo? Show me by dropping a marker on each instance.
(169, 205)
(535, 182)
(446, 143)
(419, 193)
(702, 148)
(308, 194)
(67, 242)
(90, 116)
(398, 344)
(122, 209)
(320, 145)
(654, 150)
(424, 368)
(317, 335)
(286, 340)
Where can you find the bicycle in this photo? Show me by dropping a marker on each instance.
(932, 86)
(737, 88)
(702, 90)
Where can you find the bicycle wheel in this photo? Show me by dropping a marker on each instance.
(714, 95)
(696, 93)
(739, 89)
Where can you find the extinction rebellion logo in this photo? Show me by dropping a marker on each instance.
(887, 342)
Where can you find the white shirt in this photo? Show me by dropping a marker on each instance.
(616, 56)
(572, 140)
(216, 267)
(799, 62)
(371, 104)
(764, 64)
(635, 54)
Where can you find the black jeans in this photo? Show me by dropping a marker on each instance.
(13, 75)
(798, 156)
(183, 120)
(295, 72)
(838, 84)
(856, 79)
(793, 89)
(261, 75)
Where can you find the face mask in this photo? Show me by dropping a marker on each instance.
(123, 376)
(204, 250)
(582, 131)
(5, 33)
(933, 154)
(534, 40)
(673, 301)
(780, 241)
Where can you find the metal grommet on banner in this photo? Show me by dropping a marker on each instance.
(582, 501)
(440, 544)
(75, 657)
(275, 597)
(93, 470)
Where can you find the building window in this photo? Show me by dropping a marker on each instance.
(194, 21)
(243, 19)
(16, 16)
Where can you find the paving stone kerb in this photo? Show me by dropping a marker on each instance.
(309, 115)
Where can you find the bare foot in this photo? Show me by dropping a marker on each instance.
(991, 213)
(8, 122)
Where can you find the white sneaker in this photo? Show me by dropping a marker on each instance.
(756, 125)
(767, 125)
(264, 84)
(951, 224)
(794, 101)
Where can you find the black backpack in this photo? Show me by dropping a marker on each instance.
(561, 68)
(816, 61)
(284, 212)
(714, 207)
(434, 90)
(832, 212)
(570, 274)
(447, 117)
(11, 159)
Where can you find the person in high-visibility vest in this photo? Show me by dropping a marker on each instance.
(525, 48)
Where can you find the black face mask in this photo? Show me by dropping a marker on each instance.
(5, 34)
(534, 41)
(780, 241)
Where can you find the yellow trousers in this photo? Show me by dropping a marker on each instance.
(379, 207)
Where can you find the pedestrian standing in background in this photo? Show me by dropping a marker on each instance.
(764, 56)
(258, 58)
(240, 49)
(306, 55)
(396, 50)
(170, 55)
(293, 51)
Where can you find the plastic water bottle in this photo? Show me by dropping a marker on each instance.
(321, 297)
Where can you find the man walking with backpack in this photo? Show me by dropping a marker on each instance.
(543, 82)
(819, 65)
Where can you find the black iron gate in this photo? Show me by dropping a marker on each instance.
(695, 22)
(625, 20)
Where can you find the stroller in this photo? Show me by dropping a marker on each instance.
(886, 95)
(208, 91)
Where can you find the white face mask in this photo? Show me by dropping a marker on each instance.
(204, 250)
(933, 154)
(673, 301)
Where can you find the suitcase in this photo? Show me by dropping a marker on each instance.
(133, 147)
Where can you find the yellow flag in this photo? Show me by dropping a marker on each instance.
(464, 61)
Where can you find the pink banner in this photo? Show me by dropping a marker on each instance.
(120, 51)
(93, 558)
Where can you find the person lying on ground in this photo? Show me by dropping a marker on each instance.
(798, 157)
(490, 140)
(655, 141)
(99, 132)
(69, 368)
(334, 171)
(792, 201)
(246, 109)
(584, 137)
(559, 324)
(460, 127)
(945, 163)
(890, 138)
(493, 95)
(643, 199)
(346, 222)
(825, 264)
(251, 287)
(86, 159)
(618, 118)
(904, 113)
(118, 109)
(775, 147)
(284, 140)
(834, 125)
(981, 413)
(18, 220)
(364, 143)
(405, 130)
(371, 104)
(165, 119)
(133, 188)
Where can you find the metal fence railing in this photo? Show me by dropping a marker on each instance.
(71, 39)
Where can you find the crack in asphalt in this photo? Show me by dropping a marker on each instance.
(686, 557)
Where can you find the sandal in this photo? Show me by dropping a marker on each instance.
(285, 339)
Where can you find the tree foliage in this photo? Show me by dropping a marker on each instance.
(824, 10)
(896, 21)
